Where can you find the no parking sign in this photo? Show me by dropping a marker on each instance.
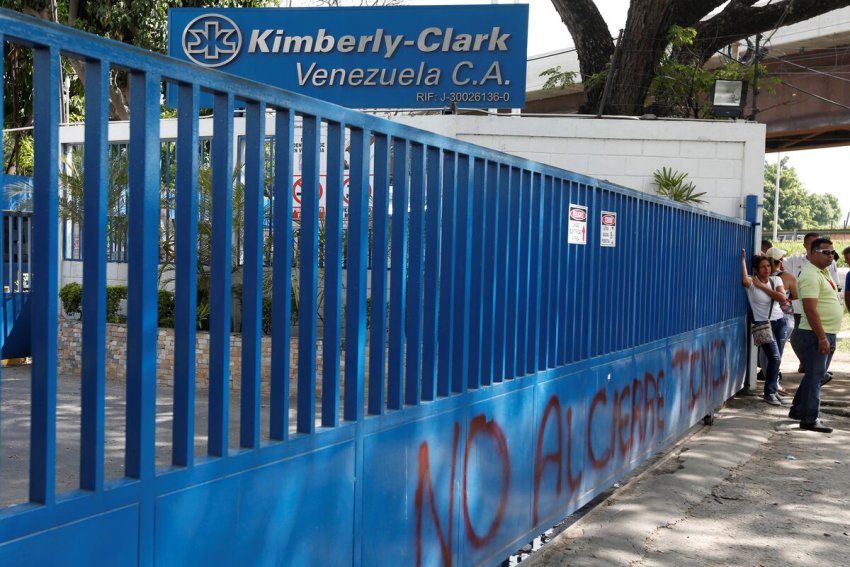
(608, 234)
(578, 224)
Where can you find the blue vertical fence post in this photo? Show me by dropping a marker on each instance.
(398, 273)
(2, 178)
(378, 308)
(358, 252)
(490, 270)
(220, 270)
(431, 283)
(445, 323)
(463, 251)
(413, 367)
(476, 279)
(252, 273)
(500, 227)
(308, 270)
(281, 274)
(186, 275)
(512, 268)
(93, 354)
(143, 258)
(333, 274)
(44, 285)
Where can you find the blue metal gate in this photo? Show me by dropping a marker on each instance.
(17, 236)
(515, 376)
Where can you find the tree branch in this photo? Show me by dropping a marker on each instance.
(741, 19)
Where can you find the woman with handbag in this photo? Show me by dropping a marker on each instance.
(765, 293)
(789, 282)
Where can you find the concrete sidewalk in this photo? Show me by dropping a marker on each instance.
(753, 489)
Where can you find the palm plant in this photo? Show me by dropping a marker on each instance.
(672, 184)
(71, 198)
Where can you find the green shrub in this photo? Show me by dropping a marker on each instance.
(114, 295)
(165, 308)
(202, 316)
(267, 315)
(72, 299)
(267, 312)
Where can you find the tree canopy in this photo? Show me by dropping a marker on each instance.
(798, 209)
(646, 39)
(139, 22)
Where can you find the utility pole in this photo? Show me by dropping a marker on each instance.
(776, 195)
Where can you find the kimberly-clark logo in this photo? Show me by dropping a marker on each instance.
(378, 57)
(212, 40)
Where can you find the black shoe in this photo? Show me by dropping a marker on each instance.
(826, 378)
(818, 426)
(801, 370)
(794, 415)
(760, 376)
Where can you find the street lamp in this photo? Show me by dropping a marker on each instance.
(728, 98)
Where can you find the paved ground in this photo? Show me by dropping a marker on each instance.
(752, 490)
(15, 430)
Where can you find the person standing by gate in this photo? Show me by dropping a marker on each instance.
(765, 293)
(846, 253)
(794, 265)
(789, 282)
(815, 338)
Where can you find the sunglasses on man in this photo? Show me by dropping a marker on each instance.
(825, 251)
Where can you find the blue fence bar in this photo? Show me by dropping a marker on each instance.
(281, 275)
(93, 373)
(186, 275)
(473, 389)
(44, 285)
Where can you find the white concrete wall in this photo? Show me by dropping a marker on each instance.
(723, 158)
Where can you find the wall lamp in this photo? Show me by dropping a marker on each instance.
(728, 98)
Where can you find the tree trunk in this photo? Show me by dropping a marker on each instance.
(644, 41)
(592, 40)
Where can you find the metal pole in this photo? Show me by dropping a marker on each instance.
(776, 194)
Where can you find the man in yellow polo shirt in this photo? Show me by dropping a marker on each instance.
(821, 321)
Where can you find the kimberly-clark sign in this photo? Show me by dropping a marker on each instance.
(379, 57)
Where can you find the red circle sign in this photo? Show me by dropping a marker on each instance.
(578, 214)
(296, 190)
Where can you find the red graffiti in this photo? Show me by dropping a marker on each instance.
(424, 483)
(540, 461)
(556, 457)
(572, 481)
(601, 397)
(700, 373)
(479, 424)
(632, 407)
(626, 420)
